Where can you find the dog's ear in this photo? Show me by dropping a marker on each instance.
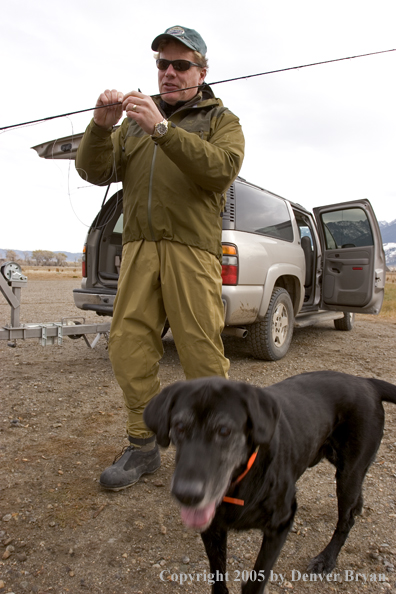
(263, 411)
(157, 413)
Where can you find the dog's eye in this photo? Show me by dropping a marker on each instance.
(224, 431)
(179, 428)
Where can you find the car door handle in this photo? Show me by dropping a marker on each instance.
(351, 261)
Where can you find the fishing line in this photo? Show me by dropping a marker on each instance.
(69, 191)
(113, 211)
(245, 77)
(218, 82)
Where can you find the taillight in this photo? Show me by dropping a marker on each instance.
(84, 262)
(229, 269)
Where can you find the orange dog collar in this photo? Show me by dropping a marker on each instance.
(251, 460)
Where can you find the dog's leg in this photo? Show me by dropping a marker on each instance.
(215, 541)
(271, 546)
(350, 504)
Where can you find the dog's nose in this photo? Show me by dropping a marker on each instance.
(188, 492)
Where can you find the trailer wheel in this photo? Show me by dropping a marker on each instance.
(270, 339)
(346, 323)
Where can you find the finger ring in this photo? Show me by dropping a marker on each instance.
(133, 107)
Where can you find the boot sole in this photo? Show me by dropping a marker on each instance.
(129, 484)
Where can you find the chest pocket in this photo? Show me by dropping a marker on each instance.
(201, 121)
(136, 142)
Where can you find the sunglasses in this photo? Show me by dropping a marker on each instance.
(178, 65)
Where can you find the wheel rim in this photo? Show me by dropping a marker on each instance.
(280, 325)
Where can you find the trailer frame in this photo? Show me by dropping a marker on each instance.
(12, 281)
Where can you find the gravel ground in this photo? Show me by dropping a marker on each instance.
(62, 422)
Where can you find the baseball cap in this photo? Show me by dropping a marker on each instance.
(189, 37)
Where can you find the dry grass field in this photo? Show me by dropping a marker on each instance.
(52, 272)
(389, 306)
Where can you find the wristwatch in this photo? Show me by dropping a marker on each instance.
(160, 129)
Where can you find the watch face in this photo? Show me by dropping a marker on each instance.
(161, 129)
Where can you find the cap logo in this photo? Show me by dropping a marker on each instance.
(175, 31)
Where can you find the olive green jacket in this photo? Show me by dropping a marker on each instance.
(174, 186)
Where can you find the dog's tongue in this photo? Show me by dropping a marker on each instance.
(197, 518)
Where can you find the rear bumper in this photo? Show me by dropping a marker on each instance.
(241, 304)
(99, 300)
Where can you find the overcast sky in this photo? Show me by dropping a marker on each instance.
(316, 135)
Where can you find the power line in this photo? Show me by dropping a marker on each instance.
(218, 82)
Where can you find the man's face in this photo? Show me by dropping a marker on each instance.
(176, 82)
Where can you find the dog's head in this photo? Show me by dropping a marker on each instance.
(215, 424)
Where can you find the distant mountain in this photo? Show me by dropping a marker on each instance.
(71, 256)
(390, 254)
(388, 232)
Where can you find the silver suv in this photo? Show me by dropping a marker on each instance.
(282, 266)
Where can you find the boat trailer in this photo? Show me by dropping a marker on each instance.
(12, 281)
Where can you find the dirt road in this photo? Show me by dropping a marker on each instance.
(62, 422)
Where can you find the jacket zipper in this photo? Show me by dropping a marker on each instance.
(150, 194)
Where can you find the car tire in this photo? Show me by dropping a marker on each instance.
(346, 323)
(270, 339)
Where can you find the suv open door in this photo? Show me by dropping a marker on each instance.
(353, 266)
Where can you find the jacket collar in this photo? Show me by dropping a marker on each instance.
(204, 97)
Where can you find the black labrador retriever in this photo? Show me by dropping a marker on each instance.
(240, 450)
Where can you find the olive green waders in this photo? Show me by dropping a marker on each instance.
(158, 280)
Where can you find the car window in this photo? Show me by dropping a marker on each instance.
(119, 224)
(347, 228)
(260, 212)
(305, 231)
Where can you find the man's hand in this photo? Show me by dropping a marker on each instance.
(108, 117)
(143, 110)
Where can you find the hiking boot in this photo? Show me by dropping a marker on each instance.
(127, 469)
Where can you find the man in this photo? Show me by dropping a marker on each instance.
(176, 154)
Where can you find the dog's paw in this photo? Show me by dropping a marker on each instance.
(321, 565)
(253, 588)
